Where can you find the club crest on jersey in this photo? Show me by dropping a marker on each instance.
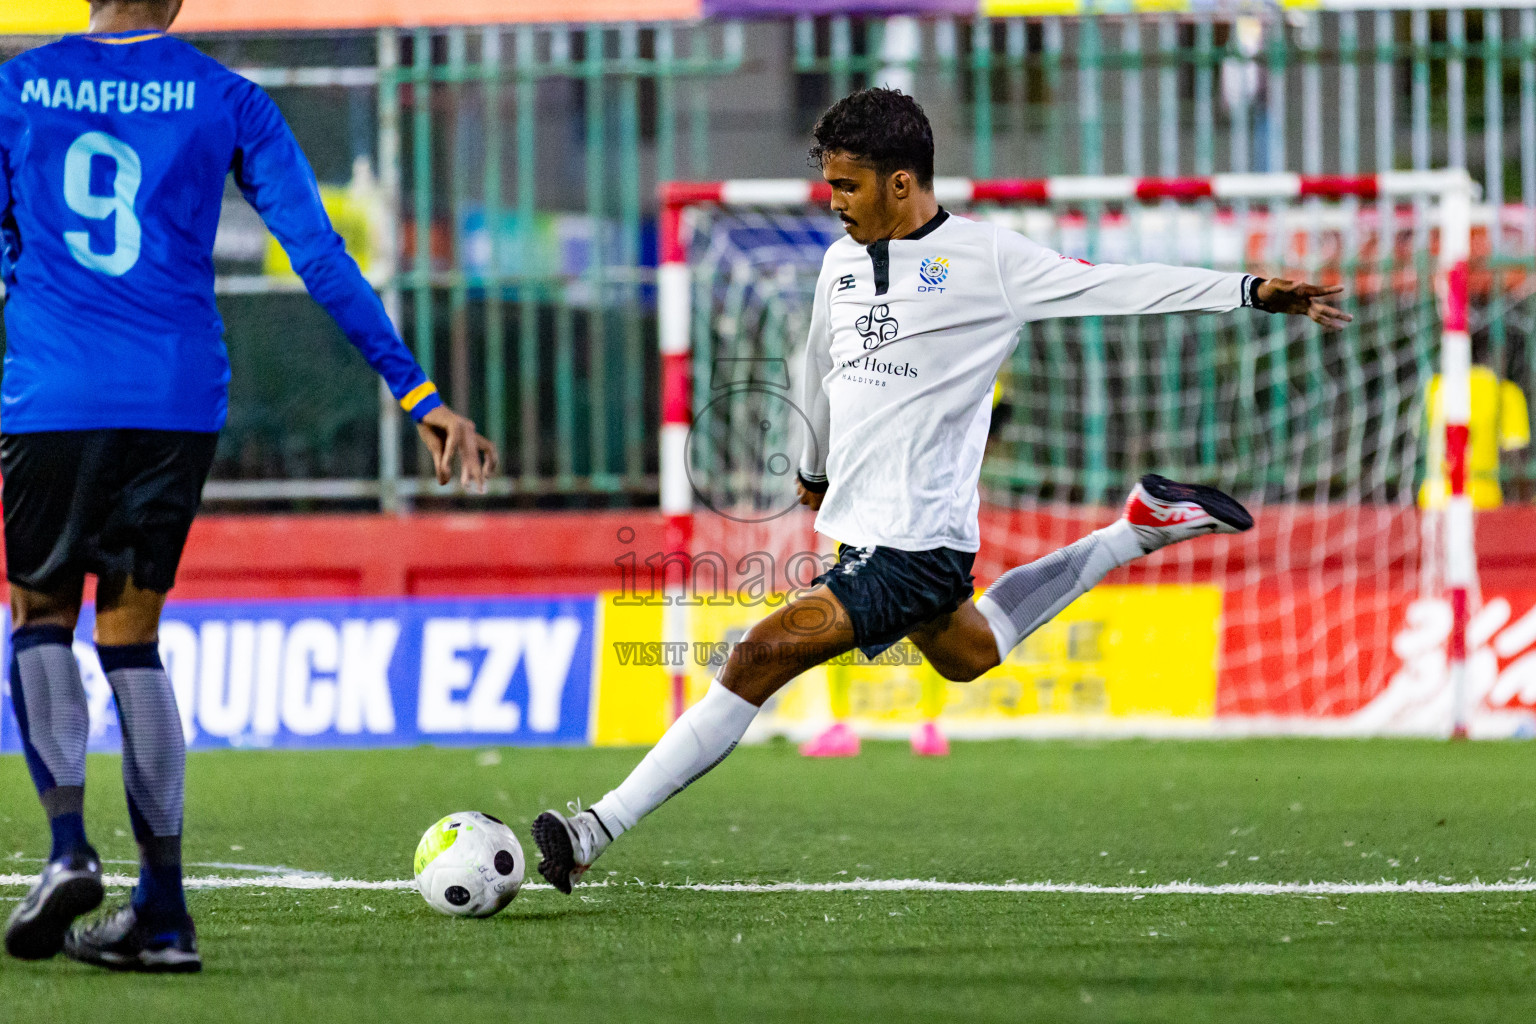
(934, 271)
(877, 327)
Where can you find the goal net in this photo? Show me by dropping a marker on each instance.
(1324, 436)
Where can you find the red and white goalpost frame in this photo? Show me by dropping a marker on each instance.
(1453, 188)
(1456, 394)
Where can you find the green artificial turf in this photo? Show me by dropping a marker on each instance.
(1114, 813)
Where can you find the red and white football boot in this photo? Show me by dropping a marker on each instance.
(1163, 512)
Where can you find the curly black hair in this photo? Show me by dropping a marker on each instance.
(882, 127)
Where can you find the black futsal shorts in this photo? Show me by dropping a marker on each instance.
(111, 503)
(888, 592)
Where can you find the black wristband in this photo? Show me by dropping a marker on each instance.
(814, 486)
(1251, 293)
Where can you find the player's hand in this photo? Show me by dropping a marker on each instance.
(808, 497)
(1278, 295)
(447, 436)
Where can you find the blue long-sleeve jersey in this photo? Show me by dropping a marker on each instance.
(113, 156)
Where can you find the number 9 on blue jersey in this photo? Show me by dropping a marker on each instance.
(128, 173)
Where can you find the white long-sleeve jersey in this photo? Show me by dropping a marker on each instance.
(906, 340)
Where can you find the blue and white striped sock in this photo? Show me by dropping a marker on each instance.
(154, 774)
(49, 698)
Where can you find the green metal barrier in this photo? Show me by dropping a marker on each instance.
(556, 362)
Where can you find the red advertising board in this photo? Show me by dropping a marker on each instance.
(1345, 643)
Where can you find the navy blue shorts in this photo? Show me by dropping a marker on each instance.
(888, 592)
(106, 502)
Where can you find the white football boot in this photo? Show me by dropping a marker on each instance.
(1163, 512)
(569, 845)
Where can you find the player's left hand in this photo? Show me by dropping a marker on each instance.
(1278, 295)
(446, 435)
(807, 496)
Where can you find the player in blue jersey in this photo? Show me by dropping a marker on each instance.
(114, 149)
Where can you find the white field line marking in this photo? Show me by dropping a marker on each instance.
(309, 881)
(259, 869)
(288, 881)
(1166, 889)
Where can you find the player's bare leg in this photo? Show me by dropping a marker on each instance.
(1159, 512)
(37, 608)
(797, 637)
(127, 614)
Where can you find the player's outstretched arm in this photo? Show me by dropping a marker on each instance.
(1297, 298)
(1041, 284)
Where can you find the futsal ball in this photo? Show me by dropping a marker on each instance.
(469, 865)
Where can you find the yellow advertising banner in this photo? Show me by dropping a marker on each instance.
(43, 17)
(632, 705)
(1115, 652)
(1118, 656)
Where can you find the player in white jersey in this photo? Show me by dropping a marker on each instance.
(914, 313)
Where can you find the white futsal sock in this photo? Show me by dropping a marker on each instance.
(700, 739)
(1024, 599)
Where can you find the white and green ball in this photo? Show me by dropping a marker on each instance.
(469, 865)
